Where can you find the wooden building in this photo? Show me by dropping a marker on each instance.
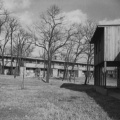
(106, 40)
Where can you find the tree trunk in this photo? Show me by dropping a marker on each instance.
(72, 71)
(18, 65)
(2, 64)
(16, 68)
(44, 65)
(73, 68)
(11, 71)
(87, 71)
(48, 70)
(88, 65)
(89, 77)
(65, 71)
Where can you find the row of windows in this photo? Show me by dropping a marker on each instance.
(42, 62)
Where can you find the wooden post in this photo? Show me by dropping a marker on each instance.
(102, 76)
(105, 69)
(24, 74)
(99, 75)
(118, 77)
(94, 74)
(102, 79)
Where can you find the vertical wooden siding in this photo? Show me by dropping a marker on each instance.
(112, 43)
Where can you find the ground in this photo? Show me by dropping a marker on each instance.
(57, 100)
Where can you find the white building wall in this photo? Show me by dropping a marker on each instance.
(23, 71)
(80, 73)
(55, 72)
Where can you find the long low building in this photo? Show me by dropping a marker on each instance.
(32, 65)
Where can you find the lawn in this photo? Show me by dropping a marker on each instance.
(58, 100)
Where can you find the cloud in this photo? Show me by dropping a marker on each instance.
(76, 16)
(107, 22)
(16, 4)
(37, 52)
(26, 18)
(18, 10)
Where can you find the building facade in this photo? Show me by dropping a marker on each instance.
(106, 40)
(35, 66)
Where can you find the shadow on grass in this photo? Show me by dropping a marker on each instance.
(43, 79)
(109, 104)
(57, 78)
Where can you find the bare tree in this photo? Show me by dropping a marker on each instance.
(3, 43)
(23, 40)
(51, 34)
(78, 48)
(73, 50)
(4, 15)
(66, 51)
(22, 46)
(44, 56)
(88, 31)
(4, 32)
(13, 26)
(65, 54)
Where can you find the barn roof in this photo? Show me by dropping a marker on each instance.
(99, 29)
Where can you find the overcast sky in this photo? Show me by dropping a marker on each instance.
(102, 11)
(98, 10)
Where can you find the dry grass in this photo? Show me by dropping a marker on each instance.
(54, 101)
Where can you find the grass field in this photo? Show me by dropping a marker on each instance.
(58, 100)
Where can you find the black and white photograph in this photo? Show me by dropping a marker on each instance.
(59, 59)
